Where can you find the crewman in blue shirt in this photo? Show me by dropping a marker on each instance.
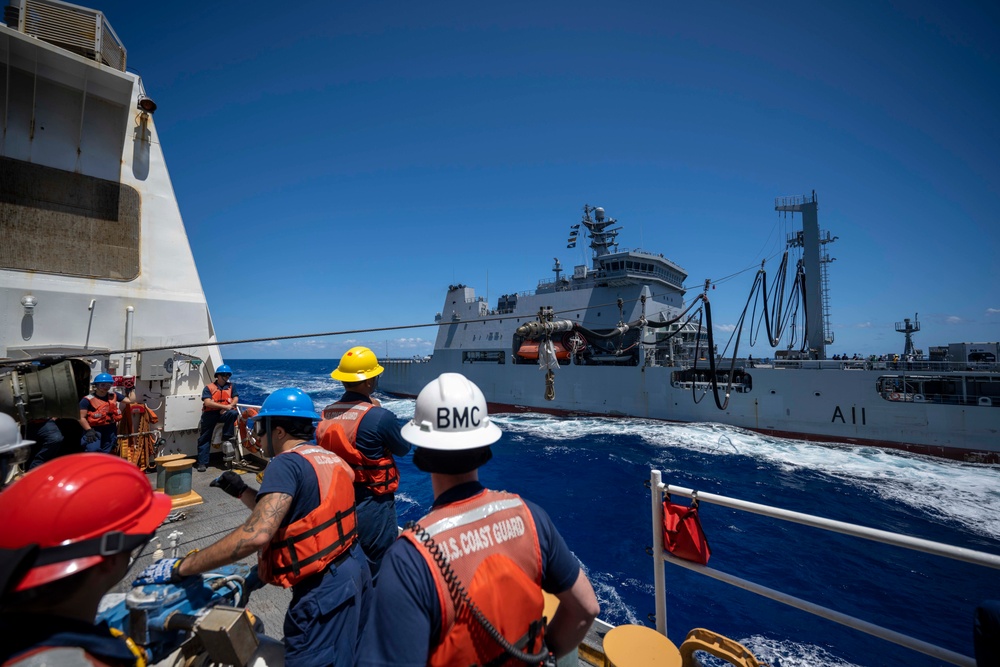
(219, 400)
(100, 412)
(303, 524)
(373, 438)
(492, 549)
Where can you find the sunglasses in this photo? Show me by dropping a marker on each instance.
(258, 428)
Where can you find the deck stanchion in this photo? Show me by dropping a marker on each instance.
(659, 577)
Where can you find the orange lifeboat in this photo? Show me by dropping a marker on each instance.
(529, 350)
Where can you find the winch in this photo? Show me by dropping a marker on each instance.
(173, 622)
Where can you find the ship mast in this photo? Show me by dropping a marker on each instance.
(819, 333)
(602, 239)
(908, 328)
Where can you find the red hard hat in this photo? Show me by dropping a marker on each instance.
(79, 509)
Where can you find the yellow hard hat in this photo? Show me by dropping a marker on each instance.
(357, 364)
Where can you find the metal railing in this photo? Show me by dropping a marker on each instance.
(660, 556)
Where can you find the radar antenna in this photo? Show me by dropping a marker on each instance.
(908, 328)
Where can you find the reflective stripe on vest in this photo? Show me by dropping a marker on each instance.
(307, 546)
(103, 410)
(59, 656)
(380, 476)
(219, 396)
(491, 544)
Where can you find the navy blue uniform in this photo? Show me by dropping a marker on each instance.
(378, 526)
(48, 440)
(406, 590)
(328, 610)
(209, 418)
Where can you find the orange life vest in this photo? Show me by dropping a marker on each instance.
(305, 547)
(103, 411)
(62, 655)
(219, 395)
(379, 475)
(491, 544)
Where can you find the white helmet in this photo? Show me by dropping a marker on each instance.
(451, 415)
(10, 434)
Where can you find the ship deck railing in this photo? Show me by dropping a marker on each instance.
(900, 367)
(661, 557)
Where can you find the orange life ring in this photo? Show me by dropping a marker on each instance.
(246, 438)
(893, 396)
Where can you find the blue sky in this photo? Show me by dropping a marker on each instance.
(338, 165)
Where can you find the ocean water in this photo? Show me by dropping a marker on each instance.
(589, 476)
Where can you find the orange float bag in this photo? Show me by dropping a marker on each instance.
(683, 536)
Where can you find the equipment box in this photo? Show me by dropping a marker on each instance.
(156, 365)
(182, 413)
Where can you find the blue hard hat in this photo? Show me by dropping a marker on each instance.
(104, 377)
(290, 402)
(224, 368)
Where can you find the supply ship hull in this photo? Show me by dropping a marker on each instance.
(653, 369)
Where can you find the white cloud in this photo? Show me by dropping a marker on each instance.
(726, 327)
(310, 343)
(993, 311)
(863, 325)
(953, 319)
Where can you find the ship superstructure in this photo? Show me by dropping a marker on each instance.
(623, 345)
(95, 261)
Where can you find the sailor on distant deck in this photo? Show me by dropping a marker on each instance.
(100, 412)
(219, 400)
(373, 438)
(501, 549)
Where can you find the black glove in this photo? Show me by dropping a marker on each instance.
(89, 437)
(231, 483)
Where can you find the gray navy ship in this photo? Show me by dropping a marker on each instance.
(617, 338)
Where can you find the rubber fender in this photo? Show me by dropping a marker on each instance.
(718, 645)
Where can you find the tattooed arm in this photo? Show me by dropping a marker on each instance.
(256, 532)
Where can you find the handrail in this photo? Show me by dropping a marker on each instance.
(927, 546)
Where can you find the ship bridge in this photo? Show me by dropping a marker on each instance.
(620, 269)
(610, 266)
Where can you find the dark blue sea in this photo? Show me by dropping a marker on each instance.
(589, 474)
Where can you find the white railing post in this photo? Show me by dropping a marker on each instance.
(659, 577)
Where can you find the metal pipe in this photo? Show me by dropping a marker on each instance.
(90, 323)
(129, 315)
(659, 578)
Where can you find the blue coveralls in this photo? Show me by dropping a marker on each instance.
(378, 527)
(328, 610)
(48, 438)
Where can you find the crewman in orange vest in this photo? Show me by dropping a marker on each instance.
(69, 529)
(219, 400)
(490, 551)
(100, 412)
(304, 526)
(373, 438)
